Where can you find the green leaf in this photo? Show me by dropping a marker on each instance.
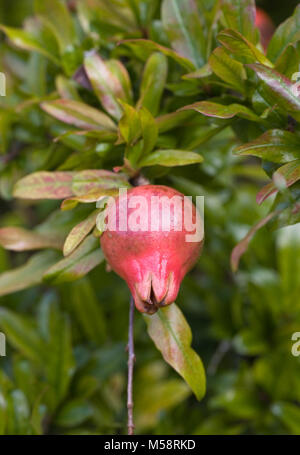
(172, 336)
(56, 15)
(78, 233)
(173, 120)
(27, 275)
(44, 185)
(79, 114)
(287, 33)
(238, 45)
(280, 88)
(90, 316)
(74, 413)
(25, 40)
(153, 83)
(59, 365)
(170, 158)
(183, 26)
(288, 174)
(211, 109)
(278, 146)
(239, 15)
(19, 239)
(22, 334)
(18, 413)
(228, 69)
(93, 195)
(288, 259)
(89, 179)
(78, 264)
(149, 130)
(288, 414)
(130, 125)
(143, 48)
(107, 86)
(288, 62)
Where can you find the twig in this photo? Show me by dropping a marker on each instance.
(131, 360)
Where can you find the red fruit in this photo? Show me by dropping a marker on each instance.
(265, 25)
(151, 259)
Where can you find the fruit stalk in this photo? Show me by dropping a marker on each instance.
(131, 360)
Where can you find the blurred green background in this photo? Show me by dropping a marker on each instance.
(242, 324)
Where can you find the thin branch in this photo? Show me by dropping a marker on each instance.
(131, 360)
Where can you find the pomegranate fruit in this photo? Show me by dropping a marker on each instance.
(265, 25)
(156, 239)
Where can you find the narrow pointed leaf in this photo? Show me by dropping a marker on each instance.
(22, 334)
(211, 109)
(183, 26)
(170, 158)
(143, 48)
(27, 275)
(241, 47)
(290, 172)
(45, 185)
(78, 264)
(287, 33)
(153, 82)
(239, 15)
(56, 15)
(79, 232)
(228, 69)
(19, 239)
(105, 83)
(172, 336)
(277, 146)
(280, 87)
(78, 114)
(25, 40)
(91, 179)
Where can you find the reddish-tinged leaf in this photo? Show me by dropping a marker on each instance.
(211, 109)
(19, 239)
(143, 48)
(172, 335)
(92, 196)
(79, 232)
(290, 172)
(85, 181)
(280, 88)
(105, 83)
(45, 185)
(78, 264)
(27, 275)
(278, 146)
(78, 114)
(242, 246)
(184, 28)
(238, 45)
